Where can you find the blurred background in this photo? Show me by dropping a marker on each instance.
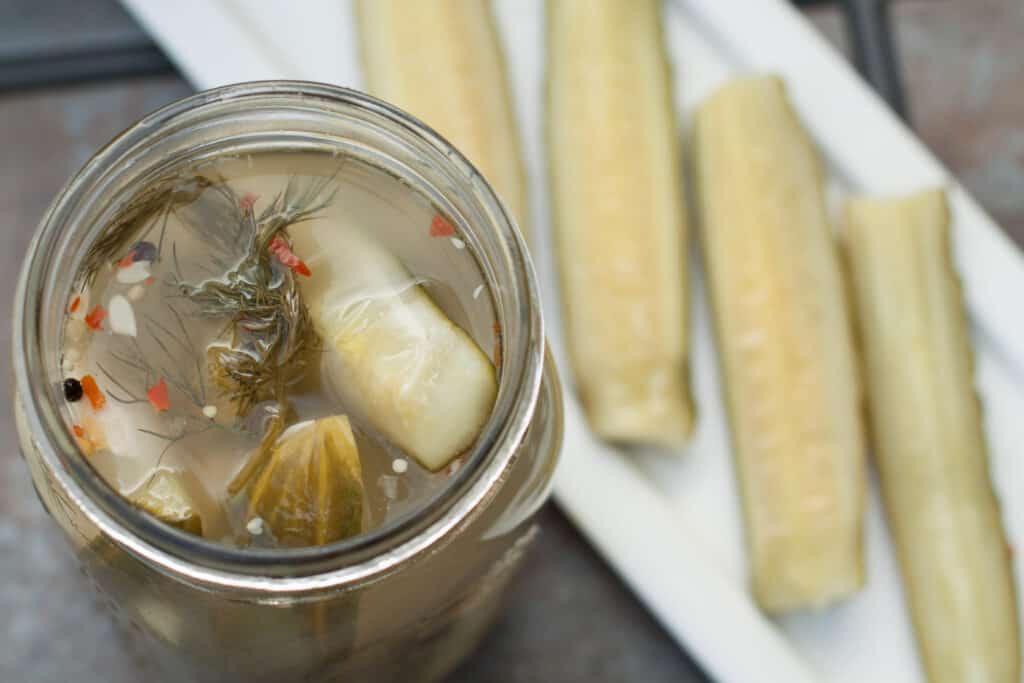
(73, 73)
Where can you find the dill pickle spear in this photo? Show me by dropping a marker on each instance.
(785, 345)
(311, 490)
(442, 61)
(166, 497)
(929, 442)
(615, 160)
(392, 355)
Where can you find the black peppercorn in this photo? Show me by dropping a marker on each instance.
(143, 251)
(73, 389)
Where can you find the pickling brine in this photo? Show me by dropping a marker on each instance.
(279, 349)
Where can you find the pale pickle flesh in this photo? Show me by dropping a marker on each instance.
(615, 157)
(390, 353)
(784, 344)
(929, 444)
(166, 497)
(442, 61)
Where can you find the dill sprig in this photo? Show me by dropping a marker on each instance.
(137, 218)
(150, 368)
(269, 340)
(168, 367)
(271, 337)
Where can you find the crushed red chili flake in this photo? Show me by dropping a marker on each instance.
(94, 319)
(497, 343)
(441, 227)
(127, 259)
(279, 247)
(75, 303)
(92, 391)
(157, 395)
(247, 201)
(90, 437)
(149, 280)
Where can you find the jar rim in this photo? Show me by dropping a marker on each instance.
(338, 565)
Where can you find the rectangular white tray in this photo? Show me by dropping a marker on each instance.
(678, 541)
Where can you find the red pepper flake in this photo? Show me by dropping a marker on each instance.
(157, 395)
(85, 442)
(92, 390)
(441, 227)
(149, 280)
(127, 259)
(497, 343)
(90, 438)
(279, 247)
(75, 303)
(247, 201)
(94, 319)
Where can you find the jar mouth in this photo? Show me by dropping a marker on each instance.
(280, 110)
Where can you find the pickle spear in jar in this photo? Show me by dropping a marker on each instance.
(390, 351)
(929, 442)
(785, 346)
(166, 497)
(311, 490)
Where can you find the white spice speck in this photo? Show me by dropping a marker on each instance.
(136, 272)
(255, 526)
(74, 331)
(457, 243)
(388, 486)
(122, 316)
(71, 358)
(136, 293)
(399, 465)
(210, 411)
(479, 290)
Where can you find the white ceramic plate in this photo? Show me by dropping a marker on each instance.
(679, 543)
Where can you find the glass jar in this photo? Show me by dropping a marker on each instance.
(405, 602)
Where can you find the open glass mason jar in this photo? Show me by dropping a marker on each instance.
(408, 597)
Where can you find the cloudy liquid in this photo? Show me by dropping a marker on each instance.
(199, 435)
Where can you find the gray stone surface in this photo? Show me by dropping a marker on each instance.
(569, 619)
(31, 28)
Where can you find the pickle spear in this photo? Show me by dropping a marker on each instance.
(166, 497)
(311, 490)
(784, 344)
(929, 444)
(615, 157)
(390, 352)
(442, 61)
